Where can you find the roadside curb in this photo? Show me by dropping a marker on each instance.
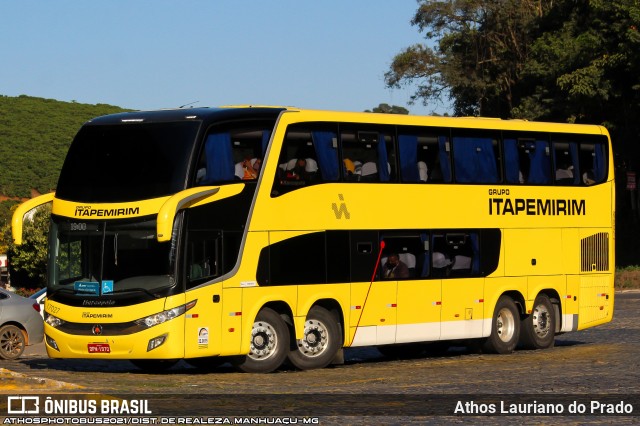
(17, 382)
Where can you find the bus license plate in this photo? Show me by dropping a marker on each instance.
(99, 348)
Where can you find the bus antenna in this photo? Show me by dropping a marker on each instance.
(189, 104)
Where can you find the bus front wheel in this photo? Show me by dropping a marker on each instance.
(505, 327)
(269, 344)
(321, 341)
(538, 328)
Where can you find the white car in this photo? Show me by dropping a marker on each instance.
(20, 324)
(39, 297)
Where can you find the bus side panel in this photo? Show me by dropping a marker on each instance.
(419, 310)
(231, 323)
(462, 308)
(551, 284)
(571, 304)
(202, 322)
(533, 251)
(308, 295)
(596, 300)
(373, 313)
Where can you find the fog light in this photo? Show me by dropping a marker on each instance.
(52, 343)
(156, 341)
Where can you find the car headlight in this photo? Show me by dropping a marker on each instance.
(164, 316)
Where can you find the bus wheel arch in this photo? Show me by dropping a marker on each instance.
(270, 336)
(505, 325)
(539, 327)
(322, 337)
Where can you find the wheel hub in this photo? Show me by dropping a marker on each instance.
(263, 341)
(315, 338)
(541, 321)
(505, 325)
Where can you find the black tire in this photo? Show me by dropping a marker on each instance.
(154, 365)
(322, 341)
(505, 327)
(402, 350)
(12, 342)
(208, 363)
(538, 329)
(269, 344)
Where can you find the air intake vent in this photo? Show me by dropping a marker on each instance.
(594, 253)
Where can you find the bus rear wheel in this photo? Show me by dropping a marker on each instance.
(505, 327)
(321, 341)
(538, 328)
(269, 344)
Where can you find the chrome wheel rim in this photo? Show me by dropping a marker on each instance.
(541, 320)
(264, 341)
(316, 338)
(505, 325)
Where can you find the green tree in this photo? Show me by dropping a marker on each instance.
(389, 109)
(479, 50)
(29, 259)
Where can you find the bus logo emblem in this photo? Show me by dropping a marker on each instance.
(97, 329)
(342, 210)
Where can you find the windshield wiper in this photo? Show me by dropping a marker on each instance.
(127, 290)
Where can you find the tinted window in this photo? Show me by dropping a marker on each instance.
(127, 162)
(368, 155)
(309, 156)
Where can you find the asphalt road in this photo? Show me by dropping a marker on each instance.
(588, 369)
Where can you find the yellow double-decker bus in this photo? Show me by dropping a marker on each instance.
(261, 234)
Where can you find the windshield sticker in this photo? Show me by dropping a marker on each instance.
(87, 288)
(107, 286)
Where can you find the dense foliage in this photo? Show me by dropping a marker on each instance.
(570, 61)
(553, 60)
(35, 135)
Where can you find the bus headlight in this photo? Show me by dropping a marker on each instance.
(164, 316)
(53, 321)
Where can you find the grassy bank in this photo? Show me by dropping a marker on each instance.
(628, 278)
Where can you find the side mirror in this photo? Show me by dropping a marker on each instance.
(18, 215)
(177, 202)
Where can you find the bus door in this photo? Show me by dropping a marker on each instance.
(456, 258)
(203, 263)
(373, 304)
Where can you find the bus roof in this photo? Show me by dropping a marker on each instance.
(254, 111)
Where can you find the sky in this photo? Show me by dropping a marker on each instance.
(151, 54)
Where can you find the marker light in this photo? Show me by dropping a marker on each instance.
(156, 341)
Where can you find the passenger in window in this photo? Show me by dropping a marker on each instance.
(588, 178)
(250, 168)
(564, 172)
(423, 171)
(297, 172)
(349, 168)
(394, 267)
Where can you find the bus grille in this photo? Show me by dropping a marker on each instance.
(594, 253)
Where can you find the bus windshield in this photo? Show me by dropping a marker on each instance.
(96, 258)
(149, 160)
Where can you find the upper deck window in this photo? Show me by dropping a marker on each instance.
(127, 162)
(232, 153)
